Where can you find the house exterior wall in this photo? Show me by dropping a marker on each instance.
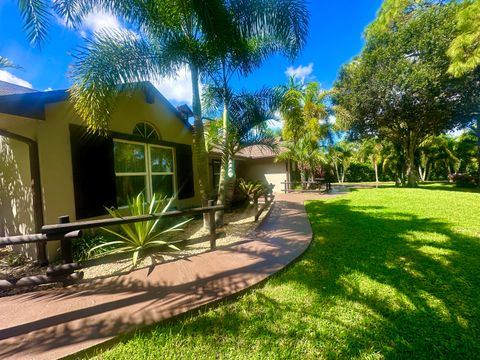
(265, 170)
(53, 139)
(16, 198)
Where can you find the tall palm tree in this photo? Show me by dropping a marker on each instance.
(285, 32)
(169, 35)
(302, 107)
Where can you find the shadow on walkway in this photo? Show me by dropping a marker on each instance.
(58, 322)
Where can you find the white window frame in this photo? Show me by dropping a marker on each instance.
(148, 167)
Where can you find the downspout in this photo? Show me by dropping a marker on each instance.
(36, 189)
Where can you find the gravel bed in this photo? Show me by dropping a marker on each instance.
(238, 224)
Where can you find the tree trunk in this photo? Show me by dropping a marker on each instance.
(336, 171)
(421, 173)
(224, 166)
(302, 177)
(199, 149)
(410, 164)
(375, 167)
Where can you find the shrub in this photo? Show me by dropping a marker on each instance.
(358, 172)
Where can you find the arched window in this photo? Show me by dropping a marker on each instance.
(146, 131)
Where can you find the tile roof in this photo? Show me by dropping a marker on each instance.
(7, 88)
(254, 152)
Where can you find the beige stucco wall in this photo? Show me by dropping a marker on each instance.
(265, 170)
(53, 138)
(16, 197)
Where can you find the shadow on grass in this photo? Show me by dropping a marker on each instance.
(416, 278)
(374, 284)
(444, 186)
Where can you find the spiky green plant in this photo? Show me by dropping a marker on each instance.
(253, 189)
(140, 236)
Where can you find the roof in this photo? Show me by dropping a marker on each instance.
(31, 103)
(255, 152)
(7, 88)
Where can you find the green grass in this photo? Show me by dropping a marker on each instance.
(392, 273)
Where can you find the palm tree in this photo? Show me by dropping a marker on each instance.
(305, 154)
(285, 32)
(372, 149)
(437, 152)
(6, 63)
(302, 107)
(170, 35)
(341, 155)
(249, 114)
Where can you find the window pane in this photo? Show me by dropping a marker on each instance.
(129, 157)
(162, 185)
(162, 159)
(129, 187)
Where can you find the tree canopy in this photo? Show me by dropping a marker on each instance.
(399, 88)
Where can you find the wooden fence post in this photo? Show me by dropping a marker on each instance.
(65, 245)
(213, 232)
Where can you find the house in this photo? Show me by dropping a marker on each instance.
(255, 163)
(51, 166)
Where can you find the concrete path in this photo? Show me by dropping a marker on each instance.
(54, 323)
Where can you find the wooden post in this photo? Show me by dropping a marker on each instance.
(65, 245)
(255, 208)
(213, 232)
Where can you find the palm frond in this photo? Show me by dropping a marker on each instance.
(105, 66)
(7, 63)
(36, 16)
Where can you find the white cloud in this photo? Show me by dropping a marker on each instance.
(9, 77)
(97, 21)
(48, 89)
(94, 22)
(300, 72)
(177, 88)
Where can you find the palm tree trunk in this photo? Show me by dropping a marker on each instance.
(224, 166)
(375, 166)
(336, 171)
(421, 173)
(199, 149)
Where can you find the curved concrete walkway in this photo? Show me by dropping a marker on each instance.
(55, 323)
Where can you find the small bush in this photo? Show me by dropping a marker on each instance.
(358, 172)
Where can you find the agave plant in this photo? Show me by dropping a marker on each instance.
(140, 236)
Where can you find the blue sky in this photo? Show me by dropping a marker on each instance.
(336, 28)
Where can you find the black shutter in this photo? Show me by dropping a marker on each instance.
(185, 183)
(93, 172)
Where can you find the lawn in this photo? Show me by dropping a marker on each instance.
(392, 273)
